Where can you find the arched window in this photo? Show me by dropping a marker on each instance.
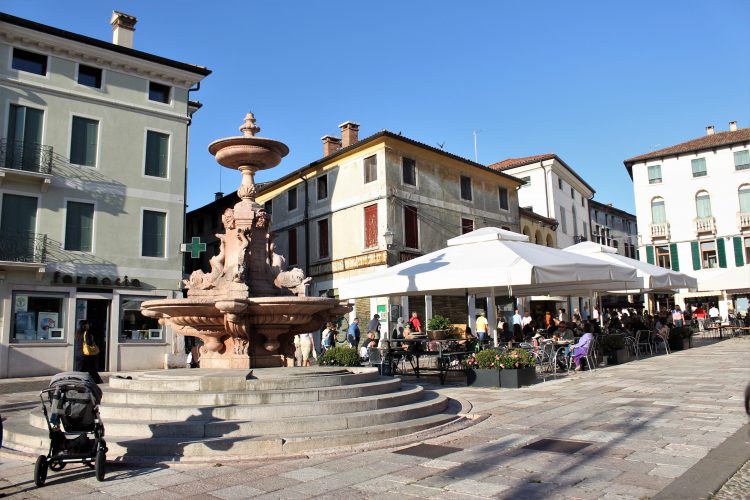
(526, 232)
(744, 195)
(658, 211)
(550, 243)
(538, 239)
(702, 204)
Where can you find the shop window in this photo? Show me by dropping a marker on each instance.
(134, 326)
(38, 317)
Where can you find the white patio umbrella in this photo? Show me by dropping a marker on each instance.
(735, 280)
(651, 277)
(490, 261)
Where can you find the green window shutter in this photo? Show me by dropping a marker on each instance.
(154, 233)
(650, 254)
(92, 129)
(157, 153)
(673, 257)
(696, 251)
(83, 137)
(722, 252)
(79, 226)
(739, 260)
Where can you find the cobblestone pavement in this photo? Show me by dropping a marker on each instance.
(737, 487)
(646, 422)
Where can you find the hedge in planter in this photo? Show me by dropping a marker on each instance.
(613, 346)
(340, 356)
(492, 368)
(680, 338)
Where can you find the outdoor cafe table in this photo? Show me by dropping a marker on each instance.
(448, 360)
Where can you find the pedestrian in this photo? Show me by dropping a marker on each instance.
(678, 319)
(576, 316)
(374, 325)
(398, 330)
(481, 327)
(307, 348)
(561, 316)
(595, 314)
(86, 356)
(352, 334)
(517, 319)
(526, 319)
(585, 312)
(416, 325)
(328, 336)
(713, 313)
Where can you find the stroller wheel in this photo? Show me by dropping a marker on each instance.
(57, 466)
(40, 471)
(101, 464)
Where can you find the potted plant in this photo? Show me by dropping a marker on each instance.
(613, 346)
(483, 368)
(680, 338)
(493, 368)
(340, 356)
(438, 327)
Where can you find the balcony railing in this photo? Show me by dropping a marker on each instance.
(23, 247)
(705, 225)
(660, 231)
(579, 239)
(26, 156)
(743, 220)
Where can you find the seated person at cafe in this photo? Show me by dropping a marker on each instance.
(367, 344)
(505, 334)
(563, 332)
(517, 333)
(581, 348)
(537, 340)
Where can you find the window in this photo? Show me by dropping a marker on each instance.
(90, 76)
(25, 132)
(525, 181)
(411, 227)
(371, 226)
(559, 183)
(322, 187)
(17, 227)
(154, 234)
(654, 174)
(663, 258)
(371, 168)
(79, 226)
(703, 205)
(708, 254)
(135, 327)
(268, 207)
(38, 316)
(157, 154)
(409, 171)
(742, 159)
(291, 199)
(323, 251)
(747, 249)
(158, 92)
(503, 194)
(467, 226)
(585, 230)
(699, 167)
(83, 141)
(572, 193)
(583, 202)
(465, 188)
(658, 212)
(744, 196)
(292, 237)
(563, 222)
(574, 219)
(30, 62)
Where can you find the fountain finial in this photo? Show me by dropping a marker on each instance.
(249, 128)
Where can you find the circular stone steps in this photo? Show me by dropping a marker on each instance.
(179, 414)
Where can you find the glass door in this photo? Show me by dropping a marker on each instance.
(17, 226)
(24, 138)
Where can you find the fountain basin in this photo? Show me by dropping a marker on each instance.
(257, 152)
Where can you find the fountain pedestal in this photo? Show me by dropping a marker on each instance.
(248, 307)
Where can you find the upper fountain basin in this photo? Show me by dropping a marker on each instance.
(257, 152)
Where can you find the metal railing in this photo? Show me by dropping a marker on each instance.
(660, 230)
(23, 247)
(743, 219)
(705, 224)
(579, 239)
(26, 156)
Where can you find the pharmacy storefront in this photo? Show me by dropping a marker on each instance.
(37, 330)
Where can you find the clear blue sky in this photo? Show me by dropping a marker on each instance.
(594, 81)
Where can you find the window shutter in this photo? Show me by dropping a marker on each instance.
(650, 254)
(739, 260)
(696, 251)
(163, 154)
(673, 257)
(91, 138)
(722, 252)
(73, 227)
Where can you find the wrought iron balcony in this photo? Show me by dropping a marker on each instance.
(579, 239)
(660, 231)
(23, 247)
(705, 225)
(743, 220)
(26, 156)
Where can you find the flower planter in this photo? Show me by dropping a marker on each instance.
(513, 379)
(618, 357)
(686, 344)
(438, 334)
(676, 343)
(483, 377)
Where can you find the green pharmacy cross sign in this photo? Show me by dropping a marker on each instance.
(195, 247)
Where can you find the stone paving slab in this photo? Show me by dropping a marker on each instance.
(648, 421)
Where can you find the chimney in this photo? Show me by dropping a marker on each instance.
(218, 195)
(733, 126)
(349, 133)
(331, 144)
(123, 27)
(710, 130)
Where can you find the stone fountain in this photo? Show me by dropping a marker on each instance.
(249, 304)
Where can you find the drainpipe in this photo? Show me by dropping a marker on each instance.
(184, 191)
(546, 191)
(306, 221)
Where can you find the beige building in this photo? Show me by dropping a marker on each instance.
(375, 202)
(92, 185)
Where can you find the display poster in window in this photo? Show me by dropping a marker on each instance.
(47, 321)
(25, 326)
(395, 312)
(22, 303)
(81, 309)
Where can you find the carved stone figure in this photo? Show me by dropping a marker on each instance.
(293, 280)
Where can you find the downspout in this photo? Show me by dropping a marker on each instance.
(306, 221)
(546, 191)
(185, 185)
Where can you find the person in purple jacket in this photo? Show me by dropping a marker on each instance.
(581, 348)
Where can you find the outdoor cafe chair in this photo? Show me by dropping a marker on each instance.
(375, 358)
(656, 338)
(643, 340)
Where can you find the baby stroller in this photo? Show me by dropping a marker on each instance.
(73, 400)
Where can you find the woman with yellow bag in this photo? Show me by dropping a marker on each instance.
(86, 351)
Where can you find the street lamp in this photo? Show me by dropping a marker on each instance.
(388, 237)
